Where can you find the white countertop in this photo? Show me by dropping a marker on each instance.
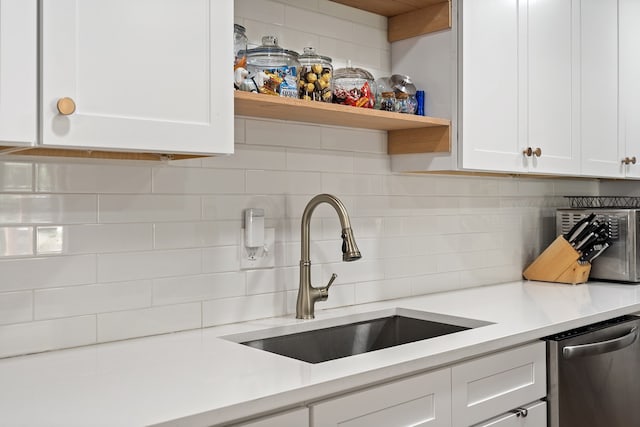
(200, 379)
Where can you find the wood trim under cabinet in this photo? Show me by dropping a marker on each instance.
(407, 18)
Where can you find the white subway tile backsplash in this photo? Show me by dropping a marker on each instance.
(33, 337)
(148, 208)
(275, 182)
(174, 235)
(123, 266)
(16, 307)
(16, 241)
(171, 180)
(90, 299)
(354, 140)
(227, 207)
(231, 310)
(149, 321)
(47, 272)
(342, 183)
(221, 258)
(41, 208)
(269, 132)
(250, 157)
(266, 11)
(439, 282)
(383, 290)
(176, 290)
(324, 161)
(15, 176)
(93, 238)
(350, 13)
(265, 281)
(92, 178)
(311, 22)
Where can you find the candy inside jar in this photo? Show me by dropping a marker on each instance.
(316, 74)
(354, 87)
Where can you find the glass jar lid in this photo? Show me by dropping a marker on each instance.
(270, 47)
(352, 73)
(309, 53)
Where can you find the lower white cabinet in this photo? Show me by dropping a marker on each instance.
(491, 385)
(421, 400)
(295, 418)
(501, 389)
(532, 415)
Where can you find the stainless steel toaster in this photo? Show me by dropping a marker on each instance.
(620, 261)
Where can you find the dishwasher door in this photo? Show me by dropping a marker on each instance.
(594, 375)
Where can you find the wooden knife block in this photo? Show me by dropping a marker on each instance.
(558, 263)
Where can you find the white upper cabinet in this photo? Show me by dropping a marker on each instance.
(512, 95)
(551, 77)
(629, 16)
(491, 101)
(138, 75)
(18, 68)
(518, 112)
(602, 151)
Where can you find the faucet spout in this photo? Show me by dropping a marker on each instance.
(307, 294)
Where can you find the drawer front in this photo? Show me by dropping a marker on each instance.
(536, 416)
(421, 400)
(485, 387)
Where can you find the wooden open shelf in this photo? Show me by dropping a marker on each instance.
(406, 133)
(407, 18)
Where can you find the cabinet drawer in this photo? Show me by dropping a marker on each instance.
(421, 400)
(495, 384)
(536, 416)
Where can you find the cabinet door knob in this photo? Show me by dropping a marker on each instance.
(66, 106)
(629, 160)
(537, 152)
(528, 151)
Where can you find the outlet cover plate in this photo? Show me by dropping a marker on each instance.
(264, 258)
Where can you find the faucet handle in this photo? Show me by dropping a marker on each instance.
(333, 277)
(324, 292)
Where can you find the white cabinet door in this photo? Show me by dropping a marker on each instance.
(296, 418)
(630, 84)
(18, 68)
(421, 400)
(488, 386)
(145, 75)
(518, 78)
(490, 111)
(533, 415)
(602, 151)
(551, 34)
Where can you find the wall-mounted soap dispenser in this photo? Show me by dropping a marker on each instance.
(256, 241)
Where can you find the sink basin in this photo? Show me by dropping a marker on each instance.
(358, 336)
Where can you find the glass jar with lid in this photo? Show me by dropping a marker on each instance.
(239, 45)
(316, 73)
(388, 101)
(353, 86)
(272, 69)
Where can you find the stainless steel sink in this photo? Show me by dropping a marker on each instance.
(360, 336)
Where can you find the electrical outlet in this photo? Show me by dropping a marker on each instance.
(264, 257)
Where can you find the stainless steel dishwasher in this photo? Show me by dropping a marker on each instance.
(594, 375)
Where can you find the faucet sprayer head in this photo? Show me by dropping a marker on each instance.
(350, 251)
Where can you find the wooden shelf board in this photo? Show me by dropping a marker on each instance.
(290, 109)
(407, 18)
(388, 7)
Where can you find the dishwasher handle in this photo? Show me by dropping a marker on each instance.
(573, 351)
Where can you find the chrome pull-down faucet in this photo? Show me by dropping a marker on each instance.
(307, 294)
